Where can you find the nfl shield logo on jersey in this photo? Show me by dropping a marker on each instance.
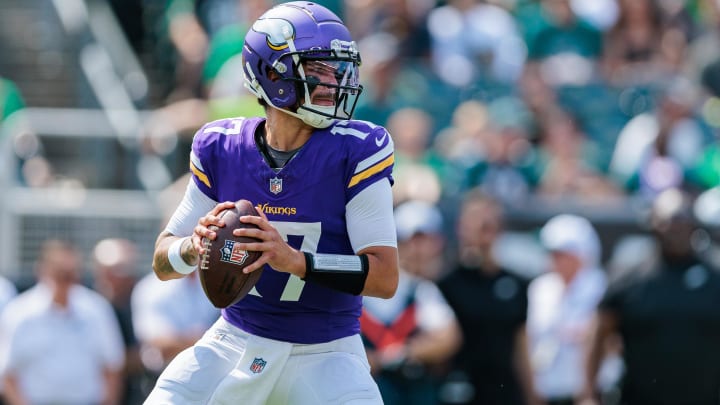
(258, 365)
(275, 185)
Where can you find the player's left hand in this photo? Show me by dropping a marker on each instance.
(275, 251)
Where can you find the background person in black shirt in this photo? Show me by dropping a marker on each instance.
(491, 306)
(668, 318)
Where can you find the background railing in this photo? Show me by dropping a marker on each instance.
(94, 192)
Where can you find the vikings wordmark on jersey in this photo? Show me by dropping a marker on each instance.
(305, 201)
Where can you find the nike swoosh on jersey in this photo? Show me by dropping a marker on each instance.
(379, 141)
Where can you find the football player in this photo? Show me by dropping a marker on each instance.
(322, 184)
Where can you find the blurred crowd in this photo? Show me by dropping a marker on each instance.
(558, 98)
(563, 99)
(490, 103)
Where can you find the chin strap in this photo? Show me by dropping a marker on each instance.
(314, 119)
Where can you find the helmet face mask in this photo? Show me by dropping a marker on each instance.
(299, 58)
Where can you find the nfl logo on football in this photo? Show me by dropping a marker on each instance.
(275, 185)
(233, 254)
(258, 365)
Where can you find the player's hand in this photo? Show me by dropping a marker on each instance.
(275, 251)
(202, 229)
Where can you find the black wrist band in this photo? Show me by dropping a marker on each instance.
(347, 275)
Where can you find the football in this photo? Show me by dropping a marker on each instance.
(222, 264)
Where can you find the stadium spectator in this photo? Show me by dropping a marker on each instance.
(633, 47)
(165, 325)
(505, 171)
(491, 305)
(185, 44)
(656, 150)
(667, 318)
(567, 163)
(463, 142)
(563, 49)
(410, 337)
(60, 342)
(419, 170)
(114, 271)
(561, 304)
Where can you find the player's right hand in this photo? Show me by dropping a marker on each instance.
(202, 229)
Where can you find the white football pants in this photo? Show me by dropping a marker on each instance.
(229, 366)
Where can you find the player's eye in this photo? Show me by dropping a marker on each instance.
(320, 67)
(312, 82)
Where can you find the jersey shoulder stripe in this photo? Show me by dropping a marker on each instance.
(197, 169)
(376, 157)
(377, 168)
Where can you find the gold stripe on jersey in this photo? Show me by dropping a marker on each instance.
(200, 175)
(377, 168)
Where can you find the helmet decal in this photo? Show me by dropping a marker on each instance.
(277, 31)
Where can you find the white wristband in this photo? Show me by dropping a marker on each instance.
(176, 260)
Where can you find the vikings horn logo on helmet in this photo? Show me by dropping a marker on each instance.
(277, 32)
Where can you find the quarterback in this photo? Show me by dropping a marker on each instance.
(322, 185)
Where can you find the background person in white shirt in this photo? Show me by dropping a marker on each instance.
(115, 271)
(60, 342)
(561, 306)
(169, 316)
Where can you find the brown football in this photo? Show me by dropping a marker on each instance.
(222, 264)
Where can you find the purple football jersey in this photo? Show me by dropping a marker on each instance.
(305, 201)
